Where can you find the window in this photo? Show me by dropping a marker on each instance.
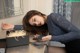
(63, 8)
(10, 8)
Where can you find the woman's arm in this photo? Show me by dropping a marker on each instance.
(72, 31)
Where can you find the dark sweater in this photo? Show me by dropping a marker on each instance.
(61, 29)
(64, 31)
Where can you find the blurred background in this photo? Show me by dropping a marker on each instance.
(13, 11)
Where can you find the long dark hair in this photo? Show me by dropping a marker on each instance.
(34, 29)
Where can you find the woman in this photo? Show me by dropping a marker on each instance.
(59, 29)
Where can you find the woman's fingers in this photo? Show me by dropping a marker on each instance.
(46, 38)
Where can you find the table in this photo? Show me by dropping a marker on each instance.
(26, 48)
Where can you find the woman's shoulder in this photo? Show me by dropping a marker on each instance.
(53, 16)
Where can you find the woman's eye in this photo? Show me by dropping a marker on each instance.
(34, 19)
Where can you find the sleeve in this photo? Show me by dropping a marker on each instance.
(72, 31)
(18, 27)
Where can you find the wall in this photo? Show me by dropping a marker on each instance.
(76, 14)
(44, 6)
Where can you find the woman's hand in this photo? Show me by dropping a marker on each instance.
(46, 38)
(6, 26)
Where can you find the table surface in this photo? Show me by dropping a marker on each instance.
(25, 49)
(35, 49)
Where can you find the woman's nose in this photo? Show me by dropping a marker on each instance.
(36, 23)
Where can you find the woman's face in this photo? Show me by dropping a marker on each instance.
(36, 20)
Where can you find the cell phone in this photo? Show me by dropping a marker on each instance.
(39, 38)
